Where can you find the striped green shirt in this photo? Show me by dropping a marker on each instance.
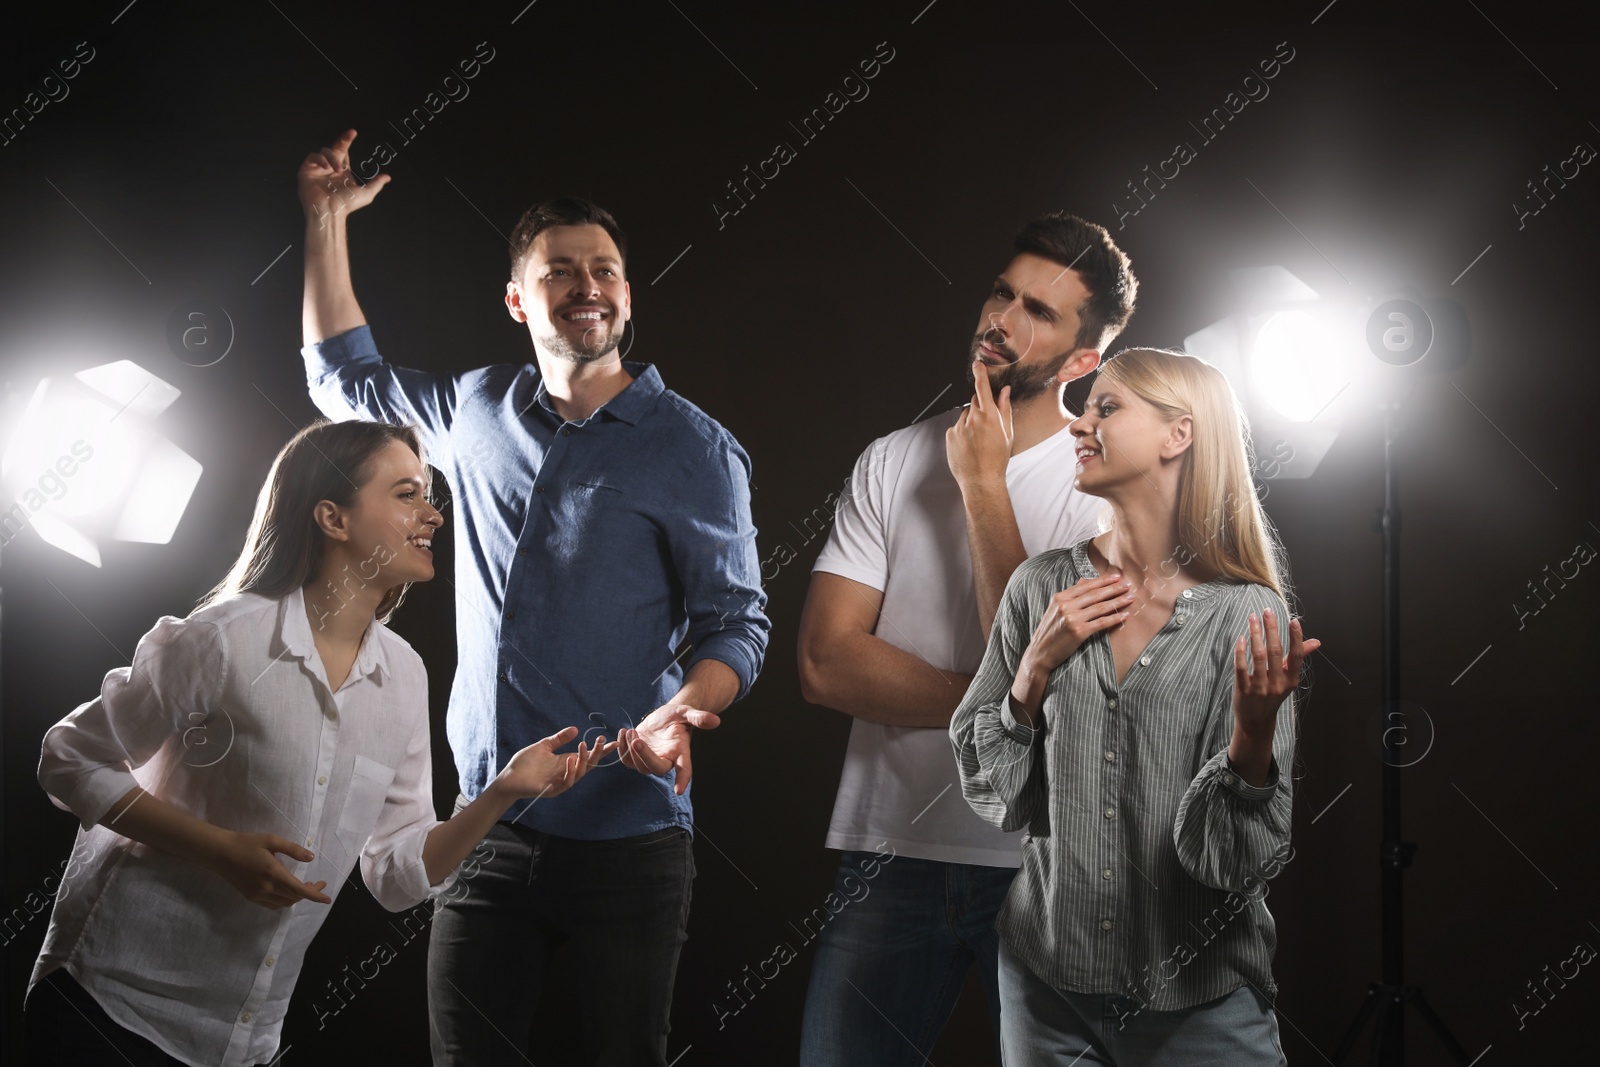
(1144, 857)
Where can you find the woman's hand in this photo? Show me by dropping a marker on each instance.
(1071, 618)
(249, 863)
(1074, 615)
(540, 771)
(1259, 692)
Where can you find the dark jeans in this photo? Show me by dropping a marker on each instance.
(891, 964)
(625, 905)
(66, 1027)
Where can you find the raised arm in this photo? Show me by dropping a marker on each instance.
(978, 449)
(1233, 822)
(845, 666)
(329, 192)
(345, 375)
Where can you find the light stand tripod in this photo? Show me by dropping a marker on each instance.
(1389, 998)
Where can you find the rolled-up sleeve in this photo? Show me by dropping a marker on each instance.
(998, 757)
(391, 861)
(1227, 831)
(713, 545)
(348, 379)
(87, 759)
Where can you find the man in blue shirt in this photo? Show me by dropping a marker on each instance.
(601, 520)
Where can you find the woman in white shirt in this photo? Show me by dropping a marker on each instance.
(251, 754)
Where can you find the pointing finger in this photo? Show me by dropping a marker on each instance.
(982, 392)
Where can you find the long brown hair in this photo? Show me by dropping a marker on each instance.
(1220, 519)
(324, 461)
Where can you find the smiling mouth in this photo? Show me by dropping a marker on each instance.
(584, 315)
(423, 543)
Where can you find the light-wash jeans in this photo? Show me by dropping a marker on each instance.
(890, 966)
(1041, 1026)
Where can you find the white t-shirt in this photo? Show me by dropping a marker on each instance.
(902, 529)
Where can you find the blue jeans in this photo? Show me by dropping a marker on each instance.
(1046, 1027)
(623, 903)
(890, 965)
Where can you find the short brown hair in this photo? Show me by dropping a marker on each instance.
(1105, 269)
(563, 211)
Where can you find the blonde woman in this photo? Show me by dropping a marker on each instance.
(1133, 717)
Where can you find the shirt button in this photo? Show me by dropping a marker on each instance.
(308, 842)
(1112, 703)
(1145, 660)
(502, 676)
(1105, 924)
(522, 552)
(1111, 813)
(246, 1017)
(510, 615)
(332, 714)
(1111, 757)
(566, 433)
(322, 779)
(271, 960)
(1188, 594)
(1106, 874)
(539, 490)
(1230, 779)
(1180, 620)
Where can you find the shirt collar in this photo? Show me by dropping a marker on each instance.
(1192, 595)
(294, 636)
(630, 405)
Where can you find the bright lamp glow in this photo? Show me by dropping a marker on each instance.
(86, 464)
(1297, 365)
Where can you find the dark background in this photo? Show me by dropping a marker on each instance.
(833, 309)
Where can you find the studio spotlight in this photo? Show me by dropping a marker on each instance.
(86, 464)
(1297, 365)
(1289, 355)
(1296, 361)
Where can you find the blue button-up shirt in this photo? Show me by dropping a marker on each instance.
(586, 554)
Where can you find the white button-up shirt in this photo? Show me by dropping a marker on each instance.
(228, 715)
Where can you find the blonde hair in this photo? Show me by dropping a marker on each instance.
(1220, 520)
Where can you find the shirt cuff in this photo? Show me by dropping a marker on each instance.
(1022, 735)
(445, 886)
(733, 653)
(1235, 783)
(353, 346)
(95, 792)
(398, 883)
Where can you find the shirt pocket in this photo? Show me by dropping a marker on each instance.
(369, 788)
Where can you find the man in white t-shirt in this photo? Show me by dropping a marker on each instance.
(933, 522)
